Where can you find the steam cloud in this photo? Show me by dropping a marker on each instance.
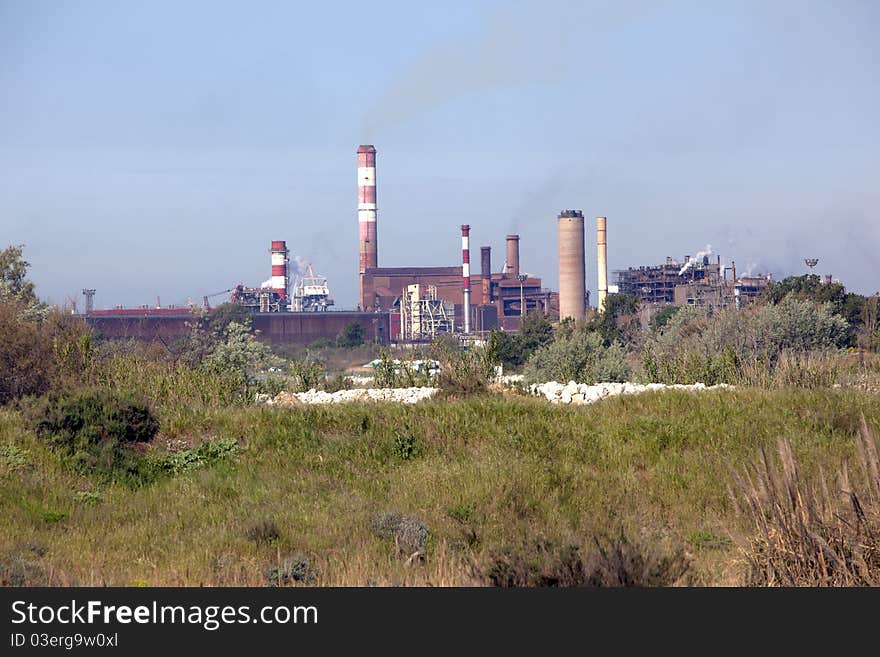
(697, 258)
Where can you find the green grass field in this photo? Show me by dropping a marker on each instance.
(486, 474)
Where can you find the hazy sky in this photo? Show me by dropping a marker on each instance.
(155, 148)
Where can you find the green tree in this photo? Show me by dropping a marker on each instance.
(619, 322)
(227, 313)
(513, 350)
(14, 285)
(352, 335)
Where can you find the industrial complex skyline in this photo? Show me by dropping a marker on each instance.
(158, 150)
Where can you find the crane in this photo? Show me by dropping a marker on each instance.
(211, 296)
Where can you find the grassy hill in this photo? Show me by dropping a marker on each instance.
(503, 485)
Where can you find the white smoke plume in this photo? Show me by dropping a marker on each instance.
(696, 259)
(299, 266)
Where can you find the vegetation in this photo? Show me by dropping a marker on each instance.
(491, 478)
(352, 335)
(127, 463)
(581, 356)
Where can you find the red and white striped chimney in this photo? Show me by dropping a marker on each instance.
(466, 275)
(279, 280)
(369, 257)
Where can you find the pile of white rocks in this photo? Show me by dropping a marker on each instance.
(583, 393)
(398, 395)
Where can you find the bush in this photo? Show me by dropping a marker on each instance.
(514, 349)
(40, 355)
(351, 336)
(734, 346)
(264, 531)
(578, 356)
(296, 568)
(464, 372)
(410, 535)
(307, 374)
(94, 430)
(611, 562)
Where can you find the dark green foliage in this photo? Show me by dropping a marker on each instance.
(620, 321)
(660, 318)
(351, 336)
(207, 453)
(809, 286)
(406, 446)
(95, 430)
(514, 349)
(228, 313)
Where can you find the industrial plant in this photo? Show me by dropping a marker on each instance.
(416, 303)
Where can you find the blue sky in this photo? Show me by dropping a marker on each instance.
(156, 148)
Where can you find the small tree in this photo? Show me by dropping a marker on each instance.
(14, 285)
(351, 336)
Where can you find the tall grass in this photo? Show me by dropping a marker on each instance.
(489, 475)
(170, 384)
(812, 532)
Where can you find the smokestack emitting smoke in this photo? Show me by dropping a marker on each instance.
(697, 259)
(513, 255)
(486, 272)
(369, 256)
(572, 271)
(601, 258)
(279, 280)
(466, 275)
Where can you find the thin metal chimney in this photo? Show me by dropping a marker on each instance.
(601, 248)
(486, 273)
(466, 276)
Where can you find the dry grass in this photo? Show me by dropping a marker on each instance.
(810, 533)
(489, 473)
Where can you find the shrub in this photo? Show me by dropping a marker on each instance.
(39, 355)
(801, 533)
(464, 372)
(307, 374)
(296, 568)
(406, 446)
(352, 335)
(611, 562)
(264, 531)
(734, 346)
(94, 430)
(410, 535)
(579, 356)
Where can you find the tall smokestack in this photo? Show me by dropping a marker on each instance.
(513, 256)
(602, 260)
(572, 270)
(279, 281)
(486, 273)
(369, 255)
(466, 275)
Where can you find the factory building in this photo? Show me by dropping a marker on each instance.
(499, 299)
(693, 282)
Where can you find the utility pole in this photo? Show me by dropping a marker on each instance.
(522, 299)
